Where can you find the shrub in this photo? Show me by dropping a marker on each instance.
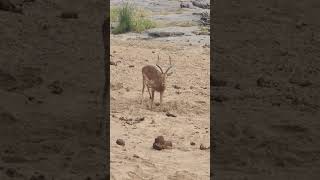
(125, 19)
(130, 19)
(114, 13)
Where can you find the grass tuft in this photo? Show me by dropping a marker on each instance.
(130, 19)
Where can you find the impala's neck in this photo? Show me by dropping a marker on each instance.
(161, 82)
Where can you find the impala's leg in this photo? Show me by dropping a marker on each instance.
(149, 92)
(143, 85)
(152, 97)
(161, 95)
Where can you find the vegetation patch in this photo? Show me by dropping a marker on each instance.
(130, 19)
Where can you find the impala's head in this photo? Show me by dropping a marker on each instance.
(164, 74)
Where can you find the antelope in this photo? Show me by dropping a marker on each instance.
(154, 80)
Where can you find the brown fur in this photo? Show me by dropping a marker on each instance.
(154, 80)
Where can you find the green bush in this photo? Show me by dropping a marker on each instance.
(130, 19)
(125, 19)
(142, 24)
(114, 13)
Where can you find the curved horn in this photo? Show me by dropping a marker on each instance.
(170, 65)
(158, 65)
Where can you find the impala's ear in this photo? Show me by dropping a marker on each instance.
(169, 74)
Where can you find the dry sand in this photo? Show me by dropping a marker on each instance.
(189, 100)
(186, 96)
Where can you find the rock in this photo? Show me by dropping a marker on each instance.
(113, 63)
(205, 19)
(131, 66)
(7, 117)
(263, 82)
(116, 86)
(120, 142)
(7, 5)
(69, 15)
(165, 32)
(192, 143)
(204, 4)
(136, 156)
(11, 172)
(139, 119)
(206, 45)
(37, 177)
(55, 87)
(203, 147)
(160, 143)
(300, 24)
(168, 144)
(176, 87)
(201, 33)
(302, 83)
(186, 5)
(159, 139)
(170, 114)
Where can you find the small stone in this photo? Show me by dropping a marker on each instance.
(168, 144)
(170, 114)
(159, 139)
(37, 177)
(192, 143)
(45, 26)
(176, 87)
(55, 87)
(11, 172)
(160, 143)
(158, 146)
(136, 156)
(131, 66)
(113, 63)
(203, 147)
(120, 142)
(185, 5)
